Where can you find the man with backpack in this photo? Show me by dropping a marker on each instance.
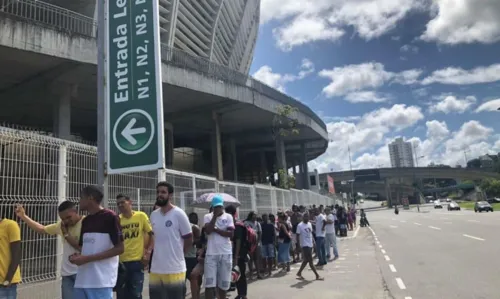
(241, 247)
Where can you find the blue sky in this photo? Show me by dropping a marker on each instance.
(428, 70)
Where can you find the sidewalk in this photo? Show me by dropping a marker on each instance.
(355, 275)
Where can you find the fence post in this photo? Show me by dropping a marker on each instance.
(138, 199)
(253, 194)
(61, 197)
(161, 175)
(194, 188)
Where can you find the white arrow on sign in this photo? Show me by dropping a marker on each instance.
(129, 131)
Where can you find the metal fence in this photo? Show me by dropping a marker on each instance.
(39, 172)
(73, 23)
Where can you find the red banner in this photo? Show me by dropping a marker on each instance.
(331, 186)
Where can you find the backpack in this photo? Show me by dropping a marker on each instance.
(251, 237)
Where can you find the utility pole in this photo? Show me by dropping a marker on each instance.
(350, 162)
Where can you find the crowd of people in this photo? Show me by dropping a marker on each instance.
(105, 253)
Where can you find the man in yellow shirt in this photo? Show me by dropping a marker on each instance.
(135, 227)
(10, 257)
(69, 229)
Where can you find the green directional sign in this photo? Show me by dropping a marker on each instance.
(134, 100)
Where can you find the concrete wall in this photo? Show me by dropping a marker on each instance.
(46, 41)
(39, 39)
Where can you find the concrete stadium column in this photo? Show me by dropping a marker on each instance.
(169, 144)
(234, 159)
(281, 157)
(306, 184)
(263, 167)
(217, 148)
(62, 93)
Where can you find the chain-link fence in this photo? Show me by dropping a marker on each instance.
(39, 172)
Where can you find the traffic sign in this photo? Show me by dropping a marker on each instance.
(133, 97)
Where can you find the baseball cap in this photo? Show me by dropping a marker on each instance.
(217, 201)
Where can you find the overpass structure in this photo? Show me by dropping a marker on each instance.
(393, 183)
(48, 56)
(409, 172)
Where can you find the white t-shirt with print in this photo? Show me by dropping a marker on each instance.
(169, 230)
(320, 220)
(304, 230)
(330, 228)
(217, 244)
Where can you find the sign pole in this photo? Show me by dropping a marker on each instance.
(102, 179)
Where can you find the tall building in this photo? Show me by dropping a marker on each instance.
(401, 153)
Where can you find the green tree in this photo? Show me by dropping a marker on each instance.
(285, 124)
(491, 187)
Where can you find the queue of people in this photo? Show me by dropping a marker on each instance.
(105, 253)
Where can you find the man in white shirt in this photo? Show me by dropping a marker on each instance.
(320, 237)
(219, 227)
(305, 240)
(330, 238)
(173, 237)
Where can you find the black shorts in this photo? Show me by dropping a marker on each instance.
(191, 262)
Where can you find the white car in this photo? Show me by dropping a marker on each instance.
(438, 204)
(448, 199)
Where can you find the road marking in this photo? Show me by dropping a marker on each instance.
(447, 222)
(387, 258)
(433, 227)
(400, 283)
(380, 246)
(408, 297)
(417, 223)
(476, 221)
(341, 258)
(383, 251)
(393, 226)
(403, 221)
(393, 269)
(472, 237)
(445, 218)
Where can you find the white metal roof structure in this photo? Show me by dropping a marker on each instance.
(225, 31)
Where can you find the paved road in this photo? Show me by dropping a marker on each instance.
(439, 254)
(356, 275)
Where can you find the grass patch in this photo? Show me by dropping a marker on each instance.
(469, 205)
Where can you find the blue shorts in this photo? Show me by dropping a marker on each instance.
(9, 292)
(267, 251)
(93, 293)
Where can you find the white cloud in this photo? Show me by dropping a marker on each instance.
(464, 21)
(368, 139)
(451, 104)
(366, 97)
(364, 135)
(304, 21)
(409, 49)
(459, 76)
(492, 105)
(470, 133)
(305, 30)
(358, 77)
(266, 75)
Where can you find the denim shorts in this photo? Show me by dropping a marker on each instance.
(267, 251)
(9, 293)
(218, 270)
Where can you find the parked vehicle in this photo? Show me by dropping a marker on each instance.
(453, 206)
(481, 206)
